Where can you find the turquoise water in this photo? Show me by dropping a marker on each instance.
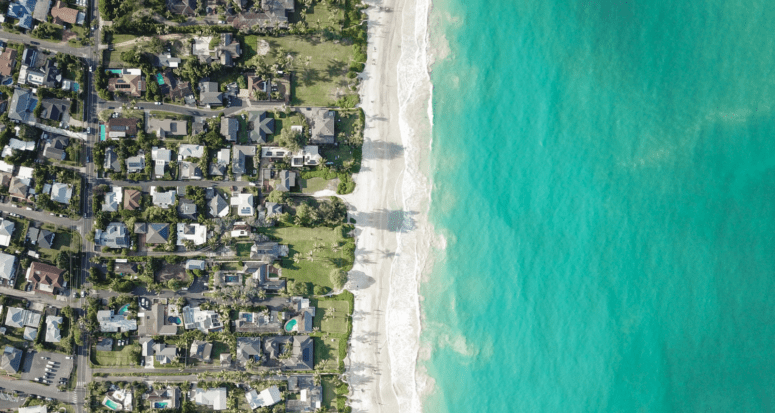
(290, 325)
(604, 176)
(160, 405)
(111, 404)
(123, 309)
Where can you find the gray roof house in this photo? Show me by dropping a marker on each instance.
(46, 238)
(11, 359)
(61, 193)
(240, 158)
(190, 170)
(209, 95)
(195, 265)
(23, 103)
(115, 235)
(164, 353)
(200, 350)
(287, 181)
(135, 163)
(186, 209)
(6, 231)
(321, 121)
(273, 208)
(222, 159)
(19, 317)
(260, 125)
(7, 266)
(163, 199)
(161, 158)
(54, 109)
(248, 348)
(218, 206)
(146, 346)
(228, 50)
(169, 397)
(111, 160)
(164, 127)
(154, 323)
(229, 128)
(155, 233)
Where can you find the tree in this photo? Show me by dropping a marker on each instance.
(338, 278)
(290, 139)
(278, 197)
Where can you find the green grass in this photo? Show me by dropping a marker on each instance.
(283, 121)
(313, 248)
(218, 349)
(120, 38)
(242, 134)
(331, 316)
(309, 186)
(159, 114)
(323, 81)
(121, 358)
(329, 392)
(248, 44)
(243, 249)
(326, 353)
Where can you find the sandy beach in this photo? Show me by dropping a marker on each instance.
(389, 205)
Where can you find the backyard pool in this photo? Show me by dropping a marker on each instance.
(290, 325)
(248, 317)
(123, 309)
(111, 404)
(232, 278)
(174, 320)
(160, 405)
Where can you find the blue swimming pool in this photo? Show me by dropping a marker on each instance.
(123, 309)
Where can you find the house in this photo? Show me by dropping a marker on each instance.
(166, 60)
(209, 95)
(114, 323)
(113, 199)
(119, 399)
(218, 206)
(267, 397)
(22, 10)
(228, 50)
(41, 408)
(130, 82)
(205, 321)
(22, 105)
(153, 233)
(111, 160)
(222, 158)
(259, 271)
(183, 7)
(177, 89)
(190, 170)
(121, 127)
(195, 265)
(62, 15)
(164, 127)
(240, 229)
(41, 10)
(115, 235)
(125, 268)
(241, 153)
(19, 317)
(7, 61)
(310, 399)
(248, 348)
(46, 238)
(11, 360)
(61, 193)
(165, 354)
(19, 188)
(258, 88)
(163, 199)
(307, 156)
(161, 158)
(278, 11)
(244, 204)
(47, 75)
(136, 163)
(286, 182)
(263, 322)
(168, 398)
(54, 109)
(45, 278)
(193, 232)
(146, 346)
(301, 351)
(273, 208)
(190, 151)
(268, 251)
(213, 398)
(225, 359)
(260, 126)
(229, 128)
(6, 231)
(274, 153)
(55, 148)
(199, 125)
(187, 209)
(53, 329)
(321, 121)
(7, 267)
(200, 350)
(132, 199)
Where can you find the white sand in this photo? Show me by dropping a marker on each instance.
(389, 205)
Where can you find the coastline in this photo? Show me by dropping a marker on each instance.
(390, 204)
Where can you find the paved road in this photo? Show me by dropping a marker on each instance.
(191, 378)
(39, 216)
(42, 44)
(36, 298)
(190, 111)
(146, 185)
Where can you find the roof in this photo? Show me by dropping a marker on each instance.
(7, 265)
(240, 154)
(248, 347)
(132, 198)
(19, 317)
(63, 14)
(113, 199)
(157, 233)
(229, 128)
(261, 125)
(287, 181)
(30, 333)
(6, 231)
(41, 10)
(120, 127)
(11, 359)
(61, 193)
(19, 188)
(200, 350)
(190, 170)
(187, 208)
(7, 61)
(163, 199)
(209, 94)
(161, 154)
(188, 150)
(267, 397)
(244, 204)
(135, 163)
(195, 265)
(273, 208)
(164, 127)
(322, 124)
(41, 408)
(215, 398)
(111, 160)
(23, 103)
(133, 85)
(53, 332)
(54, 109)
(115, 235)
(218, 206)
(193, 232)
(45, 277)
(154, 322)
(46, 238)
(22, 10)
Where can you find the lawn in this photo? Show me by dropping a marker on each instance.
(326, 353)
(323, 81)
(120, 38)
(243, 249)
(310, 186)
(283, 121)
(329, 392)
(312, 255)
(218, 349)
(331, 316)
(121, 358)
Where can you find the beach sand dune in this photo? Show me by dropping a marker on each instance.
(389, 205)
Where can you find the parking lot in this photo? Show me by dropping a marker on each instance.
(36, 364)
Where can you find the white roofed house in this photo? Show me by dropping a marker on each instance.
(206, 321)
(267, 397)
(113, 199)
(196, 233)
(307, 156)
(114, 323)
(190, 151)
(163, 199)
(244, 204)
(136, 163)
(7, 268)
(53, 329)
(214, 398)
(61, 193)
(6, 231)
(161, 158)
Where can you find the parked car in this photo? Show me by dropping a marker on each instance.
(158, 103)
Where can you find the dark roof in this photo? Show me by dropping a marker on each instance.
(261, 126)
(187, 208)
(132, 199)
(22, 105)
(157, 233)
(54, 109)
(44, 274)
(126, 125)
(46, 238)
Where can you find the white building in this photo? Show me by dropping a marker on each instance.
(190, 151)
(114, 323)
(6, 231)
(214, 398)
(244, 204)
(205, 321)
(267, 397)
(194, 232)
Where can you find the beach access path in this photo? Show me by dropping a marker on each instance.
(379, 384)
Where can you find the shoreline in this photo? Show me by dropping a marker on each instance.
(390, 205)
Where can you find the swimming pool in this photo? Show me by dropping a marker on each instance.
(248, 317)
(290, 325)
(160, 405)
(159, 79)
(174, 320)
(123, 309)
(111, 404)
(231, 278)
(102, 132)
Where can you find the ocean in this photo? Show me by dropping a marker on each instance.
(604, 179)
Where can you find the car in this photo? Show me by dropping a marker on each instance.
(91, 69)
(88, 159)
(158, 103)
(44, 358)
(142, 362)
(70, 357)
(252, 183)
(88, 131)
